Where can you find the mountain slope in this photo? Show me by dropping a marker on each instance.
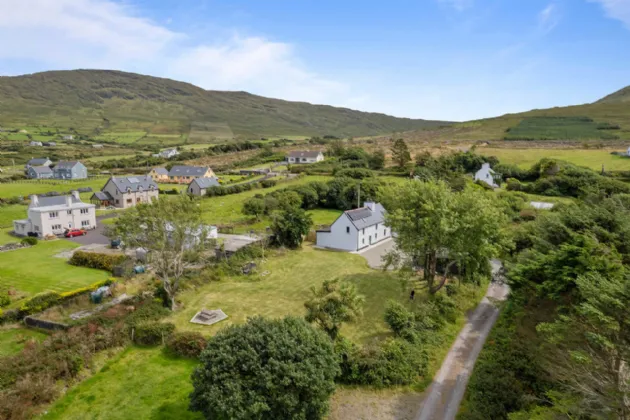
(622, 95)
(86, 97)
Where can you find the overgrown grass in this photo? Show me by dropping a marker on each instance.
(12, 340)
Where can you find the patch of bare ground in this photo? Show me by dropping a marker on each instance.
(365, 404)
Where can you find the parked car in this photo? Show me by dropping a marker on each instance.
(71, 233)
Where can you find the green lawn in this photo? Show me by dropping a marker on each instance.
(591, 158)
(36, 269)
(12, 340)
(11, 212)
(26, 188)
(137, 384)
(5, 238)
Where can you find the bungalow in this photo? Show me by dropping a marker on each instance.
(70, 170)
(356, 229)
(182, 174)
(305, 157)
(159, 174)
(168, 153)
(53, 215)
(199, 186)
(39, 172)
(49, 144)
(38, 162)
(36, 143)
(487, 175)
(68, 137)
(126, 192)
(97, 146)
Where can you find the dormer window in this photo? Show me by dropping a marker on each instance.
(128, 189)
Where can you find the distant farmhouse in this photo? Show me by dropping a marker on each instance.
(168, 153)
(97, 146)
(159, 174)
(49, 144)
(199, 186)
(70, 170)
(39, 172)
(126, 192)
(36, 143)
(356, 229)
(38, 162)
(181, 174)
(53, 215)
(486, 174)
(68, 137)
(305, 157)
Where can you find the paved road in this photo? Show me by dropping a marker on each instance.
(447, 390)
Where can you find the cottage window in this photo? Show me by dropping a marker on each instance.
(85, 223)
(54, 214)
(363, 231)
(85, 211)
(129, 201)
(384, 232)
(363, 241)
(117, 201)
(69, 212)
(347, 229)
(36, 228)
(56, 227)
(375, 235)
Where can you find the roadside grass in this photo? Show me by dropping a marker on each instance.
(26, 188)
(12, 339)
(37, 269)
(138, 383)
(591, 158)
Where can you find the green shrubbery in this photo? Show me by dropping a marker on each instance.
(105, 262)
(5, 299)
(29, 241)
(186, 344)
(151, 333)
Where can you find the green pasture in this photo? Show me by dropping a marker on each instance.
(25, 188)
(590, 158)
(12, 340)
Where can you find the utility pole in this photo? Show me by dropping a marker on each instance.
(359, 194)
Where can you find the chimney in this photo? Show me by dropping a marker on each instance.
(68, 200)
(370, 205)
(34, 201)
(76, 196)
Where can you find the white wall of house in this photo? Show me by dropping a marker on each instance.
(372, 235)
(129, 199)
(343, 235)
(486, 175)
(319, 158)
(54, 220)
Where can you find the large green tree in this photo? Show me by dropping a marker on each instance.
(265, 369)
(290, 226)
(171, 230)
(333, 304)
(434, 223)
(400, 153)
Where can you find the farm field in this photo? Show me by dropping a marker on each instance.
(593, 159)
(28, 187)
(555, 128)
(12, 340)
(108, 157)
(37, 269)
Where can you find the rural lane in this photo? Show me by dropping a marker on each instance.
(445, 394)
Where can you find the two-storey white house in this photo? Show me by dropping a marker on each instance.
(127, 192)
(305, 157)
(356, 229)
(53, 215)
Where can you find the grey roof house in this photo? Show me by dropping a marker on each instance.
(38, 162)
(184, 174)
(199, 186)
(70, 170)
(39, 172)
(307, 156)
(126, 192)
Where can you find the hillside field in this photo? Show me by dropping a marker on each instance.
(591, 158)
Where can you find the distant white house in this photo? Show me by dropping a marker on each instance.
(628, 151)
(541, 205)
(169, 153)
(53, 215)
(97, 146)
(68, 137)
(305, 157)
(486, 174)
(199, 186)
(36, 143)
(356, 229)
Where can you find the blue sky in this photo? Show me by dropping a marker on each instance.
(434, 59)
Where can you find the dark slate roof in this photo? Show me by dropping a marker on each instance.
(37, 161)
(42, 169)
(66, 164)
(305, 154)
(364, 217)
(206, 182)
(103, 196)
(133, 183)
(182, 170)
(59, 200)
(160, 171)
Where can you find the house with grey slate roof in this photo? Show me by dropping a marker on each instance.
(126, 192)
(199, 186)
(307, 156)
(39, 172)
(70, 170)
(37, 162)
(183, 174)
(356, 229)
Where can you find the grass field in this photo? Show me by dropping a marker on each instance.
(593, 159)
(36, 269)
(11, 212)
(12, 340)
(26, 188)
(5, 238)
(559, 128)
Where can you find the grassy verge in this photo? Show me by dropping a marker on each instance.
(12, 339)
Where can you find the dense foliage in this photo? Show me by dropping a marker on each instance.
(290, 226)
(105, 262)
(333, 304)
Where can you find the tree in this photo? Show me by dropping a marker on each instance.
(433, 222)
(333, 304)
(290, 226)
(173, 233)
(255, 206)
(377, 160)
(265, 369)
(400, 153)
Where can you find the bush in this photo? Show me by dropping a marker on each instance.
(151, 311)
(105, 262)
(268, 183)
(399, 318)
(186, 344)
(5, 300)
(30, 241)
(354, 173)
(40, 302)
(152, 333)
(514, 184)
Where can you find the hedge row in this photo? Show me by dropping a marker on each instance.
(239, 188)
(105, 262)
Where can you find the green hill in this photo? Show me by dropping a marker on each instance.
(103, 101)
(622, 95)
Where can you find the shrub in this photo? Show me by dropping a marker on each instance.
(40, 302)
(30, 241)
(152, 333)
(268, 183)
(514, 184)
(5, 300)
(355, 173)
(398, 317)
(151, 311)
(94, 260)
(186, 344)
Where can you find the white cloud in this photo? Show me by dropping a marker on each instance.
(459, 5)
(616, 9)
(66, 34)
(548, 18)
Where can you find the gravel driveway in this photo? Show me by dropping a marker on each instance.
(95, 236)
(374, 254)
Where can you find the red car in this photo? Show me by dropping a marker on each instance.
(71, 233)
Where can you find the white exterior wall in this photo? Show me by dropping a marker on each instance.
(65, 219)
(485, 174)
(319, 158)
(121, 199)
(373, 234)
(338, 237)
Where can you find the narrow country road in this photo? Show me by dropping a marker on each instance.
(447, 390)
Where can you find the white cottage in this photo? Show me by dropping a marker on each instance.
(486, 174)
(356, 229)
(53, 215)
(305, 157)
